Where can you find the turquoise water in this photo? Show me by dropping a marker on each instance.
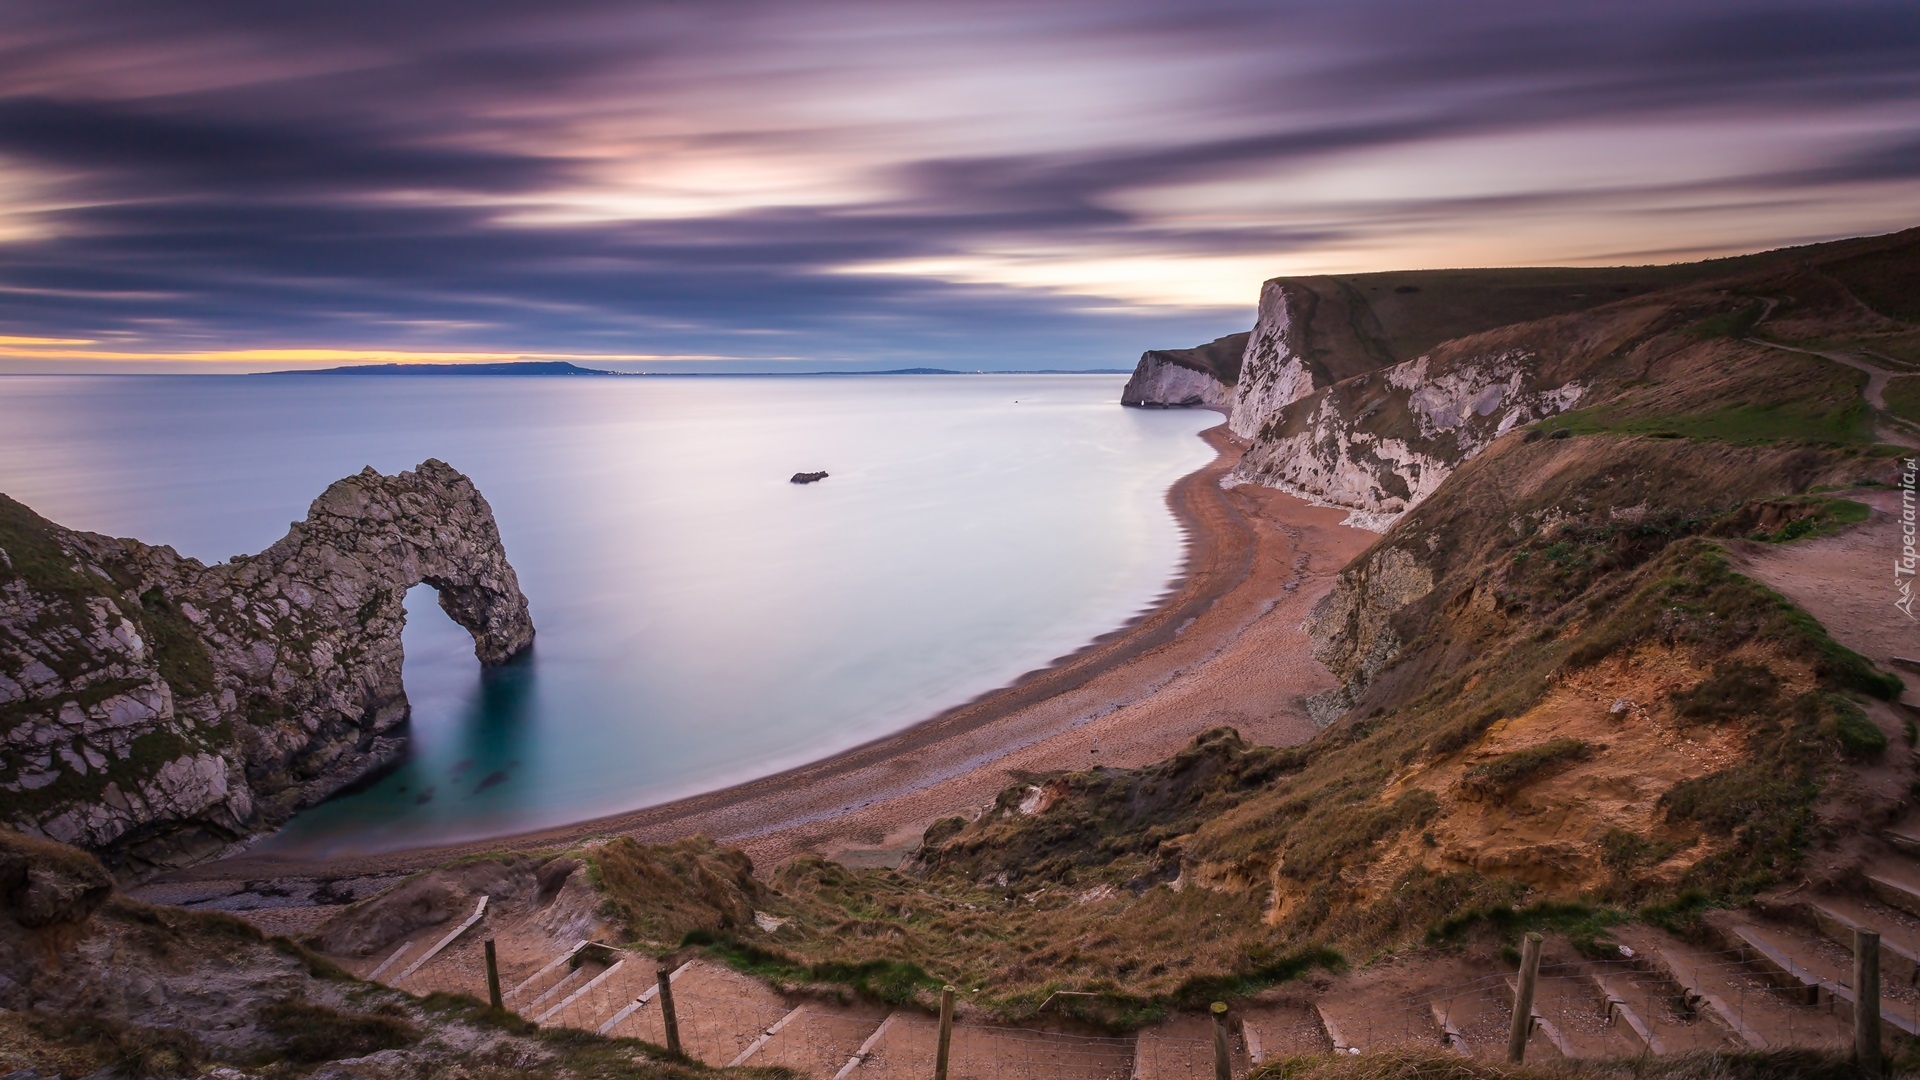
(701, 620)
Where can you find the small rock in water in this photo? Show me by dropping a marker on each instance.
(807, 477)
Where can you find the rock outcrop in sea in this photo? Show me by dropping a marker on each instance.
(157, 710)
(1178, 378)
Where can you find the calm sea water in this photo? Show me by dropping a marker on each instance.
(701, 620)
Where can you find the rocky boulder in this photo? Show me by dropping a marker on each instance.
(48, 884)
(156, 710)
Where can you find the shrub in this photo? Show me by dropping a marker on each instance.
(1509, 773)
(1733, 690)
(1847, 725)
(314, 1033)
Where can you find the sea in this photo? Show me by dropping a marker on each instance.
(701, 620)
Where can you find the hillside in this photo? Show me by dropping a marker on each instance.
(1783, 351)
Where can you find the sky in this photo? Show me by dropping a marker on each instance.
(834, 184)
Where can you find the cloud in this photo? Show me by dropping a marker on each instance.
(855, 181)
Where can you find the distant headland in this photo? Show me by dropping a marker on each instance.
(548, 368)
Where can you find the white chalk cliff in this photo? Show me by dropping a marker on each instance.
(1379, 443)
(1184, 378)
(1273, 371)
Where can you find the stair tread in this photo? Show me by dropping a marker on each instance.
(1822, 963)
(818, 1040)
(1577, 1010)
(1364, 1024)
(1899, 932)
(1807, 955)
(1738, 995)
(1904, 873)
(1656, 1005)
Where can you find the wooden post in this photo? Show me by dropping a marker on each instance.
(1866, 1000)
(667, 1016)
(946, 1034)
(1523, 999)
(1222, 1049)
(493, 977)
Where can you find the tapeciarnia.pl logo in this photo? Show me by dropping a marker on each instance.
(1904, 566)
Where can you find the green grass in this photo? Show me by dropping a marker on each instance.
(1731, 324)
(1509, 773)
(1577, 920)
(1741, 425)
(1903, 397)
(1733, 690)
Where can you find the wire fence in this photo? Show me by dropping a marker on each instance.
(1666, 1001)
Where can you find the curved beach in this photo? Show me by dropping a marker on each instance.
(1222, 647)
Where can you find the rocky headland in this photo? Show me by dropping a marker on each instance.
(1182, 378)
(158, 711)
(1365, 392)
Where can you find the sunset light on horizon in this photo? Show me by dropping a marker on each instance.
(842, 184)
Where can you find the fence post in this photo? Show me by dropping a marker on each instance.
(667, 1016)
(1222, 1050)
(1866, 1000)
(946, 1034)
(493, 977)
(1523, 999)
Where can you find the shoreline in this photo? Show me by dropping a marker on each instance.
(1213, 646)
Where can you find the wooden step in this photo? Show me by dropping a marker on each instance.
(1692, 978)
(543, 978)
(720, 1012)
(1838, 917)
(1282, 1031)
(1896, 884)
(1613, 991)
(1905, 836)
(1367, 1026)
(1667, 1024)
(1477, 1021)
(1793, 963)
(818, 1039)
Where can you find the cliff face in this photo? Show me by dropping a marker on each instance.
(1380, 443)
(157, 710)
(1175, 378)
(1273, 373)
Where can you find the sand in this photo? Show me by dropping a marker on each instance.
(1224, 646)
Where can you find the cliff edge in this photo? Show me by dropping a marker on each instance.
(157, 711)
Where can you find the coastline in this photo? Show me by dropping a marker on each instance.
(1223, 640)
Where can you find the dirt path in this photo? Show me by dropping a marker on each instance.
(1847, 582)
(1223, 647)
(1892, 428)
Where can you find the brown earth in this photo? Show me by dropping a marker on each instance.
(1224, 646)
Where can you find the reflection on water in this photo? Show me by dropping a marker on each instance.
(471, 731)
(701, 620)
